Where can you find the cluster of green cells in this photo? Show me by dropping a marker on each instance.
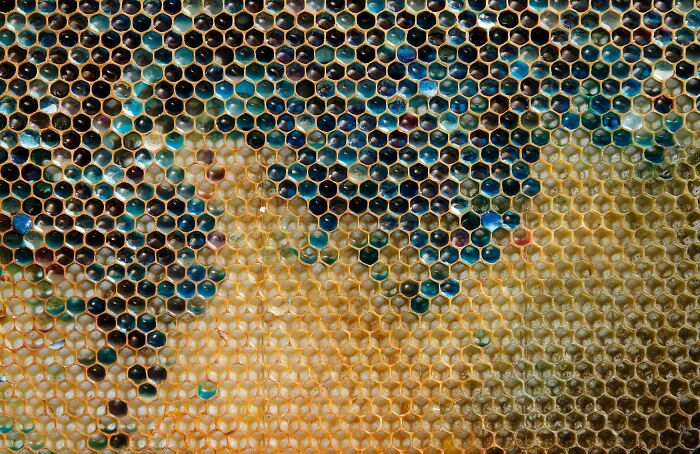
(19, 433)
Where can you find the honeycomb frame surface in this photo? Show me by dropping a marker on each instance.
(349, 226)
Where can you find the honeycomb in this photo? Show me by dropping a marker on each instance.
(349, 226)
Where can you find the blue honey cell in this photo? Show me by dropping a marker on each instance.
(417, 71)
(665, 139)
(196, 272)
(531, 187)
(429, 255)
(156, 339)
(611, 121)
(684, 36)
(447, 106)
(174, 141)
(146, 322)
(491, 221)
(186, 223)
(206, 289)
(643, 138)
(419, 238)
(73, 173)
(449, 255)
(480, 237)
(186, 289)
(622, 138)
(520, 170)
(54, 239)
(327, 156)
(641, 70)
(95, 272)
(600, 104)
(673, 122)
(450, 288)
(196, 206)
(540, 137)
(75, 305)
(328, 222)
(655, 155)
(206, 390)
(166, 289)
(24, 256)
(308, 189)
(146, 289)
(196, 240)
(318, 239)
(147, 391)
(490, 187)
(135, 207)
(106, 356)
(491, 254)
(287, 189)
(439, 238)
(116, 273)
(419, 205)
(22, 223)
(126, 322)
(96, 305)
(369, 255)
(136, 272)
(6, 424)
(175, 174)
(601, 138)
(420, 305)
(511, 220)
(429, 288)
(317, 172)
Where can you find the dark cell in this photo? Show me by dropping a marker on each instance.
(96, 373)
(117, 407)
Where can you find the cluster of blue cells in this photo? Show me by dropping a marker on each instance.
(398, 186)
(62, 208)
